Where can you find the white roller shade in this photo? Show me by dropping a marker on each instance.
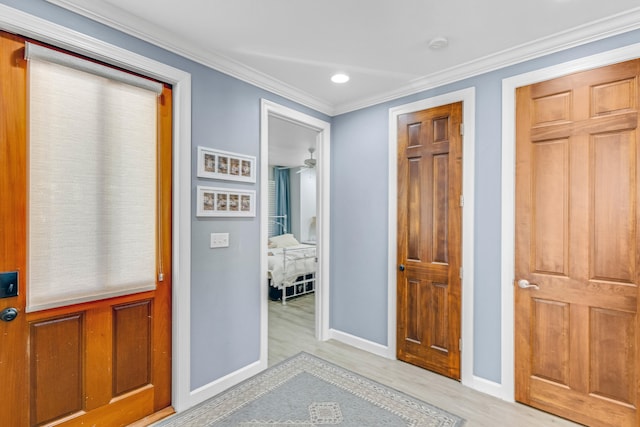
(92, 199)
(34, 51)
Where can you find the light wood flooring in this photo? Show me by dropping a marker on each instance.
(291, 331)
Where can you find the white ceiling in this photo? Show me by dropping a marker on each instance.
(289, 143)
(292, 47)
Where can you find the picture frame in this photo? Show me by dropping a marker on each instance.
(225, 165)
(225, 202)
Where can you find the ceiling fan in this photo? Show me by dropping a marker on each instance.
(309, 163)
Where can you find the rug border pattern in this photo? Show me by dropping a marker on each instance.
(415, 412)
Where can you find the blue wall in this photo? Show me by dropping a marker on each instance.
(225, 295)
(225, 305)
(359, 209)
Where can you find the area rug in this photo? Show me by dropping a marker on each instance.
(308, 391)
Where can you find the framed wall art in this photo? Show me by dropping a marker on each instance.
(226, 165)
(214, 201)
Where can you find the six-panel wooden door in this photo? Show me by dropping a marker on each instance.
(577, 245)
(429, 238)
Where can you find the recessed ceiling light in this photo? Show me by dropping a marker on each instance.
(340, 78)
(438, 42)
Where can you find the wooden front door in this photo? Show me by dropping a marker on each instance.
(577, 246)
(105, 363)
(429, 238)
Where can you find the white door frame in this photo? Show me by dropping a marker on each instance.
(467, 96)
(509, 86)
(323, 145)
(18, 22)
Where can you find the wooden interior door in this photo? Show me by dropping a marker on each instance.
(577, 240)
(429, 238)
(105, 362)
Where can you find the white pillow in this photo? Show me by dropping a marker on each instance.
(283, 241)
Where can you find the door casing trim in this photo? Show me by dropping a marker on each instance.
(467, 96)
(509, 85)
(19, 22)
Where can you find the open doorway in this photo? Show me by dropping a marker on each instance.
(294, 206)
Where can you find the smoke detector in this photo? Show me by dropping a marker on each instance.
(439, 42)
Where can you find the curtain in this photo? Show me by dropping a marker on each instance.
(283, 200)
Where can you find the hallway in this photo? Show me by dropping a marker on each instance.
(291, 331)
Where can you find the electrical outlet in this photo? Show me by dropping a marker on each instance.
(219, 240)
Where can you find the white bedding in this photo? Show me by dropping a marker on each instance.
(297, 260)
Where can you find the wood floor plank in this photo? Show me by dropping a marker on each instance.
(291, 331)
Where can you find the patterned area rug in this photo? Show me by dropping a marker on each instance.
(307, 391)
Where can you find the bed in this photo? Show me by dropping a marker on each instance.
(291, 268)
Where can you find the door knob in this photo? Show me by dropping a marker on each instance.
(8, 314)
(401, 267)
(524, 284)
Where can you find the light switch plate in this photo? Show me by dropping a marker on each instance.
(219, 240)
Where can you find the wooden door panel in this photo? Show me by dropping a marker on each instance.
(439, 214)
(429, 187)
(441, 130)
(414, 211)
(57, 365)
(132, 346)
(613, 97)
(613, 167)
(550, 340)
(438, 309)
(551, 108)
(412, 312)
(612, 358)
(425, 316)
(577, 238)
(550, 245)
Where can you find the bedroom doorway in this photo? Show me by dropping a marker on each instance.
(292, 206)
(294, 218)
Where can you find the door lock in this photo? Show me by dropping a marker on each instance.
(401, 267)
(9, 284)
(8, 314)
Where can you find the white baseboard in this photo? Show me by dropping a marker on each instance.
(488, 387)
(362, 344)
(208, 391)
(476, 383)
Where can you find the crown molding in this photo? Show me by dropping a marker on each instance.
(120, 20)
(573, 37)
(576, 36)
